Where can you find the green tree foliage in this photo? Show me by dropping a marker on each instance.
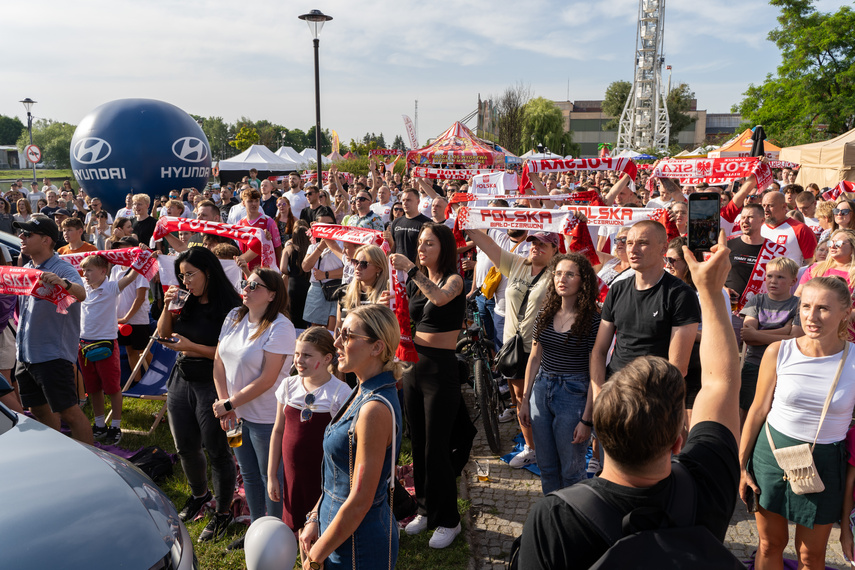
(678, 102)
(245, 138)
(217, 131)
(54, 140)
(398, 143)
(10, 129)
(616, 95)
(812, 96)
(326, 140)
(544, 124)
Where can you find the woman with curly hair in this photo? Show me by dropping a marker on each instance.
(564, 334)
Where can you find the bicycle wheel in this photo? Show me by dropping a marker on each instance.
(488, 402)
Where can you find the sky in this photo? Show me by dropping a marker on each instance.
(377, 58)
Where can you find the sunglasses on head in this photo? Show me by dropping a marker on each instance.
(252, 285)
(841, 211)
(359, 264)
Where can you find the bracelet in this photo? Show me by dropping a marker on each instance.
(312, 517)
(586, 423)
(228, 405)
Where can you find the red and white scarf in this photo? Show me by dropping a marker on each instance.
(450, 173)
(782, 164)
(586, 197)
(140, 260)
(757, 281)
(349, 234)
(254, 238)
(553, 220)
(834, 193)
(715, 169)
(27, 281)
(400, 304)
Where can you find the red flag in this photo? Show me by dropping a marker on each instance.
(664, 218)
(580, 240)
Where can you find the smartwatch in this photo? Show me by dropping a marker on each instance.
(326, 274)
(412, 272)
(67, 284)
(228, 405)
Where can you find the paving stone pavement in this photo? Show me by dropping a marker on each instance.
(500, 507)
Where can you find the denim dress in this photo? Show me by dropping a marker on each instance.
(371, 542)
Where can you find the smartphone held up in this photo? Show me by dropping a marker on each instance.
(704, 222)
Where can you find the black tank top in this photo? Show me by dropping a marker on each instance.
(432, 319)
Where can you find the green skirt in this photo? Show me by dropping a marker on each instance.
(777, 496)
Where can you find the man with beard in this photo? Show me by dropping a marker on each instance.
(744, 250)
(295, 195)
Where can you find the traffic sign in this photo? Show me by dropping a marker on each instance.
(33, 153)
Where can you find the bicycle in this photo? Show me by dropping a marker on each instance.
(475, 347)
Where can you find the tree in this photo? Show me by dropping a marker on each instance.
(543, 124)
(10, 129)
(245, 138)
(812, 96)
(326, 140)
(679, 101)
(615, 100)
(217, 132)
(54, 140)
(398, 143)
(509, 112)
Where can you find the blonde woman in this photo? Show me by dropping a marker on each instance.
(370, 280)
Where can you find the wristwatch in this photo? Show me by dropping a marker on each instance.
(326, 274)
(412, 272)
(228, 405)
(66, 284)
(314, 565)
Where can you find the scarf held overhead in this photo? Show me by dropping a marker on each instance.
(717, 169)
(27, 281)
(349, 234)
(254, 238)
(140, 260)
(553, 220)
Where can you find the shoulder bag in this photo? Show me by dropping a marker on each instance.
(797, 460)
(512, 354)
(330, 287)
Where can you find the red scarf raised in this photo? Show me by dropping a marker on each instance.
(254, 238)
(834, 193)
(400, 304)
(714, 169)
(27, 281)
(580, 240)
(140, 260)
(349, 234)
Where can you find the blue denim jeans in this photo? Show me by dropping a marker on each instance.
(252, 458)
(557, 404)
(487, 308)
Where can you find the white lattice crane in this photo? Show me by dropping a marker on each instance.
(644, 122)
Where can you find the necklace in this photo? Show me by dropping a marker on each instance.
(564, 322)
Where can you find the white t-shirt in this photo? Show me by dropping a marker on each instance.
(34, 197)
(495, 183)
(125, 213)
(798, 240)
(91, 213)
(243, 359)
(328, 398)
(129, 295)
(236, 213)
(424, 205)
(383, 210)
(98, 320)
(298, 202)
(327, 262)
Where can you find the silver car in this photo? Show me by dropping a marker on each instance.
(70, 505)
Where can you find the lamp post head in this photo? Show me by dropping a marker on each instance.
(28, 104)
(316, 20)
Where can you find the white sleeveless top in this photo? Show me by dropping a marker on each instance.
(802, 386)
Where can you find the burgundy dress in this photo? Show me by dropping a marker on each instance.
(302, 456)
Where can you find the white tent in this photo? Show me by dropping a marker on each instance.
(310, 154)
(628, 153)
(259, 157)
(288, 153)
(534, 155)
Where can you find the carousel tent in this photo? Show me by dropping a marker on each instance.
(741, 146)
(826, 163)
(258, 157)
(457, 146)
(349, 155)
(335, 157)
(289, 153)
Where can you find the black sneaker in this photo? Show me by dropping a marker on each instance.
(236, 544)
(216, 527)
(99, 433)
(113, 437)
(193, 506)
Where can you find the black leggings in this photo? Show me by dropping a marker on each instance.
(432, 400)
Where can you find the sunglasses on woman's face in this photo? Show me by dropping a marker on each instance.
(363, 265)
(836, 243)
(841, 211)
(621, 239)
(397, 209)
(252, 285)
(672, 261)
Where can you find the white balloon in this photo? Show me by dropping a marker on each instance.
(270, 545)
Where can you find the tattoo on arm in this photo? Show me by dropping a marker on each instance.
(436, 295)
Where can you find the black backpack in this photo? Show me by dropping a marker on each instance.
(649, 537)
(154, 462)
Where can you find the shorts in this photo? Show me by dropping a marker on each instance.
(317, 309)
(50, 383)
(7, 349)
(102, 375)
(138, 339)
(750, 372)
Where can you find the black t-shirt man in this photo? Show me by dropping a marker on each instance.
(144, 229)
(555, 536)
(743, 256)
(405, 234)
(225, 207)
(309, 214)
(269, 206)
(644, 319)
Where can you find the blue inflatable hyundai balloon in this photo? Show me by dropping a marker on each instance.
(140, 146)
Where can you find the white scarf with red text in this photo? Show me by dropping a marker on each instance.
(27, 281)
(254, 238)
(140, 260)
(557, 221)
(625, 165)
(450, 173)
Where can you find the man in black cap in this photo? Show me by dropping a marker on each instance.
(47, 340)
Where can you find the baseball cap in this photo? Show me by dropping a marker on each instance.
(62, 212)
(39, 225)
(545, 237)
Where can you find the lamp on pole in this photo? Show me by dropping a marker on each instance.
(28, 104)
(316, 20)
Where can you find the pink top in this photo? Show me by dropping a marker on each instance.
(808, 275)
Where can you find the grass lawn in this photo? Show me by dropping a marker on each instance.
(414, 553)
(27, 175)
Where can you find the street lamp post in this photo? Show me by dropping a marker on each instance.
(316, 20)
(28, 104)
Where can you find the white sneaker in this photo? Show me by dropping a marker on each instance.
(593, 466)
(523, 458)
(417, 525)
(507, 415)
(443, 536)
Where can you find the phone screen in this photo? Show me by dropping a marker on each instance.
(704, 222)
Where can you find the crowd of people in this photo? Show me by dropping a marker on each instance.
(299, 359)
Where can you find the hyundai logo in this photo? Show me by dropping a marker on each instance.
(91, 150)
(190, 149)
